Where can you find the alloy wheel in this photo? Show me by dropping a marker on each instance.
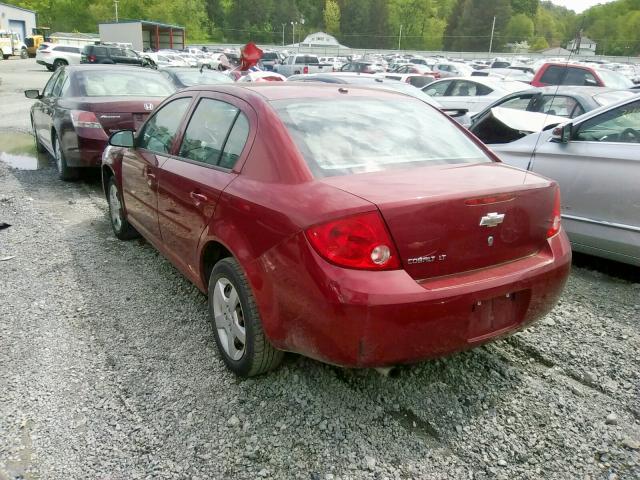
(58, 152)
(115, 208)
(229, 318)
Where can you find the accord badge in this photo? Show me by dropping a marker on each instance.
(492, 219)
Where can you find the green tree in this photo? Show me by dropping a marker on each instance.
(540, 43)
(519, 28)
(527, 7)
(332, 17)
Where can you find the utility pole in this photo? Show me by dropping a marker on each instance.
(399, 36)
(115, 2)
(293, 32)
(493, 27)
(283, 25)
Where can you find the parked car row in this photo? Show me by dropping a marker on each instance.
(333, 213)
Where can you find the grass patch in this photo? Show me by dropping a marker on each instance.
(17, 144)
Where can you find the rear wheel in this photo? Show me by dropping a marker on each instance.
(121, 227)
(236, 322)
(24, 54)
(65, 172)
(58, 62)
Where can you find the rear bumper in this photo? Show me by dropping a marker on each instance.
(370, 319)
(84, 151)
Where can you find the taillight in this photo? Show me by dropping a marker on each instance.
(92, 58)
(82, 119)
(305, 69)
(555, 216)
(360, 242)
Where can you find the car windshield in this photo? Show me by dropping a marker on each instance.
(348, 136)
(614, 80)
(194, 77)
(607, 98)
(141, 83)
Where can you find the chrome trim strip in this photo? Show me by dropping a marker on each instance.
(600, 222)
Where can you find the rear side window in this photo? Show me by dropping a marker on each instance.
(304, 60)
(358, 135)
(99, 51)
(553, 75)
(208, 132)
(160, 131)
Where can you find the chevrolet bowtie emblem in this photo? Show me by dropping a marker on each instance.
(492, 219)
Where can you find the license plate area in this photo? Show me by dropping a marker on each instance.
(492, 316)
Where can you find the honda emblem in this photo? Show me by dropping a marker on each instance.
(148, 106)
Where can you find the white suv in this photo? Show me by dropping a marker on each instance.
(53, 56)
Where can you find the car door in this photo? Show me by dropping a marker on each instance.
(465, 94)
(140, 165)
(598, 172)
(438, 89)
(191, 182)
(43, 111)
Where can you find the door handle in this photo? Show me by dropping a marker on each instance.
(199, 197)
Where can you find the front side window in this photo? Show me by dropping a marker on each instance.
(520, 102)
(357, 135)
(57, 88)
(560, 106)
(48, 88)
(438, 89)
(620, 125)
(206, 135)
(161, 129)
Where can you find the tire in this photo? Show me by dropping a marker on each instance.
(65, 172)
(58, 62)
(24, 54)
(121, 227)
(238, 312)
(50, 68)
(39, 147)
(6, 57)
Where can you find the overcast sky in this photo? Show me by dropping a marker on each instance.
(579, 5)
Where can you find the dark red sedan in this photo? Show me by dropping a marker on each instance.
(82, 105)
(357, 226)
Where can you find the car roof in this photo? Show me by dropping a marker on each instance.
(272, 91)
(489, 82)
(110, 67)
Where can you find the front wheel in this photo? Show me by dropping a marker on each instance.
(236, 322)
(24, 54)
(121, 227)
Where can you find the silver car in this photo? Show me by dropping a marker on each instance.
(596, 160)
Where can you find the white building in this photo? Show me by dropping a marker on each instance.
(18, 20)
(319, 40)
(587, 46)
(144, 35)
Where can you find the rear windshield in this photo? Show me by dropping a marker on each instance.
(105, 83)
(194, 77)
(269, 56)
(608, 98)
(303, 60)
(347, 136)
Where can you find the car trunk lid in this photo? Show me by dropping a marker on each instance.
(454, 219)
(119, 113)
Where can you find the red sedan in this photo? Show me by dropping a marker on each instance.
(81, 105)
(357, 226)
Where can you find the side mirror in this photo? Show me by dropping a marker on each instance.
(123, 138)
(562, 134)
(32, 94)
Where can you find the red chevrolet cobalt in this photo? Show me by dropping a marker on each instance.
(357, 226)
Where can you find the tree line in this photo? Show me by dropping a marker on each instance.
(453, 25)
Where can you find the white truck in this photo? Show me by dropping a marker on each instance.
(301, 63)
(10, 44)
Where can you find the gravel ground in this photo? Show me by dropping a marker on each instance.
(108, 370)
